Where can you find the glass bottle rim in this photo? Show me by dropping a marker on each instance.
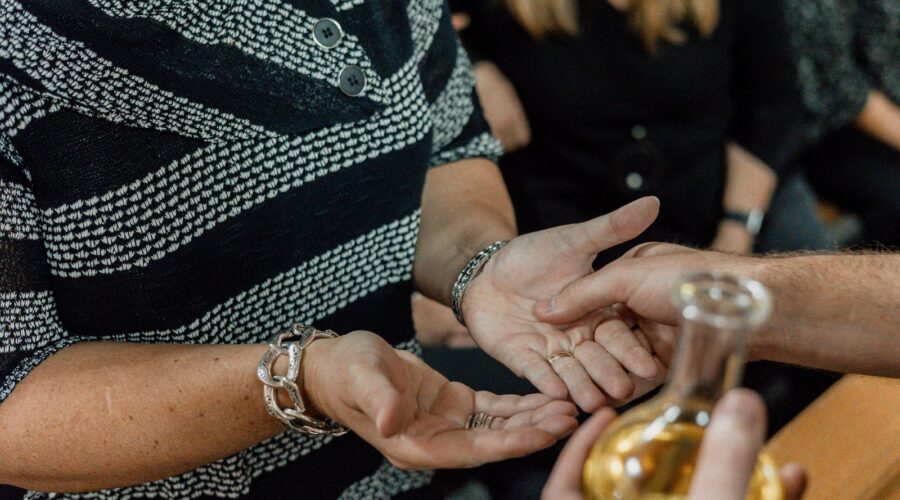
(723, 300)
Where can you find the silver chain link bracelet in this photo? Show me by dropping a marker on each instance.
(294, 418)
(469, 272)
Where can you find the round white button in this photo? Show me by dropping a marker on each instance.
(352, 81)
(327, 33)
(638, 132)
(634, 181)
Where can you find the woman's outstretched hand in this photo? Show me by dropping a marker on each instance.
(608, 359)
(416, 417)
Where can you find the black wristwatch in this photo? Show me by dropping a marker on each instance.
(752, 220)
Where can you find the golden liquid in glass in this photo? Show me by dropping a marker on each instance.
(650, 453)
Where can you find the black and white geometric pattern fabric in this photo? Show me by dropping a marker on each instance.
(843, 51)
(191, 171)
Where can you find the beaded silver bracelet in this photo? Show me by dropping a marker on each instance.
(294, 418)
(469, 272)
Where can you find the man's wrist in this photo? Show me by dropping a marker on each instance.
(763, 342)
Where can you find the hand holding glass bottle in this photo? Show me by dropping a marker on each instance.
(725, 465)
(651, 451)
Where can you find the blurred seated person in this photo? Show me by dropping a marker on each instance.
(598, 102)
(848, 57)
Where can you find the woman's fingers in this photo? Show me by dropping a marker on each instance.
(480, 447)
(642, 386)
(536, 369)
(551, 421)
(518, 425)
(605, 370)
(534, 410)
(507, 405)
(639, 335)
(582, 388)
(620, 341)
(507, 438)
(661, 337)
(565, 480)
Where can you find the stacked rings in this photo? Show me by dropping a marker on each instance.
(479, 421)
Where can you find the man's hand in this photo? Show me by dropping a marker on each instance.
(642, 281)
(834, 312)
(727, 455)
(414, 416)
(498, 309)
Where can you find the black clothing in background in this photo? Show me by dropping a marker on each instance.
(861, 174)
(845, 50)
(601, 109)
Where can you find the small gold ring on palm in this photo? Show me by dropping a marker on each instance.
(479, 421)
(559, 355)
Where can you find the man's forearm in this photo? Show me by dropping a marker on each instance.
(465, 207)
(99, 414)
(837, 312)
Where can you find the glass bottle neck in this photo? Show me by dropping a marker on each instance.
(708, 362)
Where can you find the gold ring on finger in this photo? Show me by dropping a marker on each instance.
(559, 355)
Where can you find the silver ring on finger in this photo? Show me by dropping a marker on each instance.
(479, 421)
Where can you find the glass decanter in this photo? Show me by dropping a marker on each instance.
(649, 452)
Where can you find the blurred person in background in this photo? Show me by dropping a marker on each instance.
(848, 57)
(694, 101)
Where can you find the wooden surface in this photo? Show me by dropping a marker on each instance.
(848, 441)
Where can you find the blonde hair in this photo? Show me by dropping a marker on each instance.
(652, 20)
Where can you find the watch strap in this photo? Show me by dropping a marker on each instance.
(752, 220)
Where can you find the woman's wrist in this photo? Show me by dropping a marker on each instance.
(289, 370)
(314, 380)
(470, 273)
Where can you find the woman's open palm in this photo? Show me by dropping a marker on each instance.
(610, 361)
(417, 418)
